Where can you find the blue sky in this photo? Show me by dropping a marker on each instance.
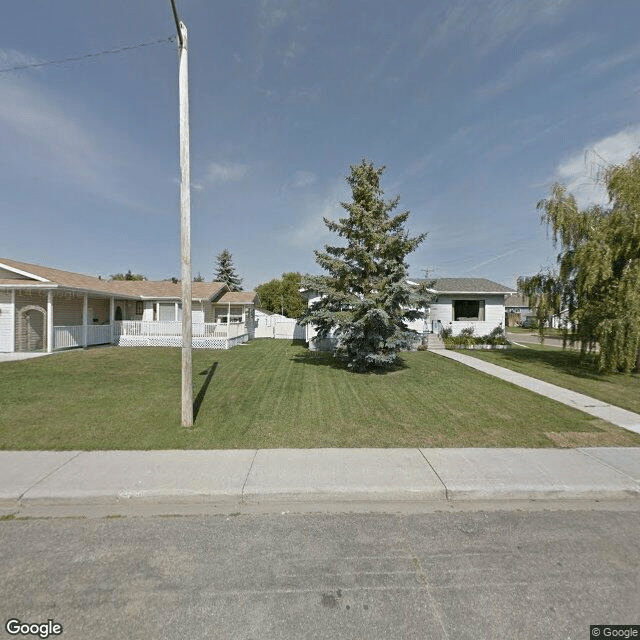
(475, 107)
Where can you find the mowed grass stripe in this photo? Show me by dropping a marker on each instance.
(271, 394)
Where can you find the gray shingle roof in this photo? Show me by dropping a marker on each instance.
(469, 285)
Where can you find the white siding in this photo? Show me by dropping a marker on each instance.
(148, 311)
(6, 322)
(493, 313)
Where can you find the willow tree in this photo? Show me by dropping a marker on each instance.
(365, 298)
(599, 266)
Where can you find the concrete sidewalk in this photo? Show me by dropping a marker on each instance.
(620, 417)
(314, 476)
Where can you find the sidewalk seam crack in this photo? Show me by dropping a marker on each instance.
(244, 484)
(35, 484)
(446, 491)
(606, 464)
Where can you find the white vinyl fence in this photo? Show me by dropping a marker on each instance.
(288, 329)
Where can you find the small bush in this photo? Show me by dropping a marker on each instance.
(467, 339)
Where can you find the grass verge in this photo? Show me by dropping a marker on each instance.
(567, 369)
(272, 394)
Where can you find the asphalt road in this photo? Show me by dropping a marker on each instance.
(477, 574)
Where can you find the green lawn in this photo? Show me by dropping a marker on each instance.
(566, 369)
(552, 333)
(272, 393)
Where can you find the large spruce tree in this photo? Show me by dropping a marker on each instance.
(226, 271)
(365, 298)
(598, 280)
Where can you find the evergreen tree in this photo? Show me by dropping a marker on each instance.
(598, 280)
(226, 271)
(283, 295)
(365, 299)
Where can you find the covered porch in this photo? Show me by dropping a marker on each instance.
(41, 320)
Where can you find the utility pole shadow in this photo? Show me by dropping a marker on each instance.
(203, 390)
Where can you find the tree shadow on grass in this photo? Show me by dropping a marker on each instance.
(569, 362)
(197, 403)
(324, 359)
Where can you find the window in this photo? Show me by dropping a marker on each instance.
(221, 314)
(138, 308)
(167, 312)
(468, 310)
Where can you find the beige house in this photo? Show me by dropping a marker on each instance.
(45, 309)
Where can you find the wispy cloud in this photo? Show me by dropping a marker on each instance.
(225, 172)
(531, 63)
(48, 140)
(12, 58)
(580, 170)
(310, 230)
(302, 179)
(606, 64)
(484, 263)
(483, 26)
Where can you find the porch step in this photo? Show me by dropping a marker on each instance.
(433, 341)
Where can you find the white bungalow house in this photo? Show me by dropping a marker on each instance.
(461, 303)
(458, 303)
(45, 309)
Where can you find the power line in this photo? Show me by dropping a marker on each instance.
(89, 55)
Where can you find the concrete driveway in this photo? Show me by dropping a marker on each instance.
(10, 357)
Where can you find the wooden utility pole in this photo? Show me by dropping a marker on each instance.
(185, 221)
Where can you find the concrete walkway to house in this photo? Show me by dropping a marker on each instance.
(615, 415)
(236, 481)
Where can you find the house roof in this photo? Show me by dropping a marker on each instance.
(516, 300)
(240, 297)
(166, 289)
(469, 285)
(30, 275)
(47, 275)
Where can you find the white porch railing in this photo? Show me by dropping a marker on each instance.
(74, 336)
(68, 337)
(207, 335)
(129, 333)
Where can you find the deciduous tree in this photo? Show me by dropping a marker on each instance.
(282, 295)
(598, 278)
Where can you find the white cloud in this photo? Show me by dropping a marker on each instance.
(226, 172)
(12, 58)
(580, 170)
